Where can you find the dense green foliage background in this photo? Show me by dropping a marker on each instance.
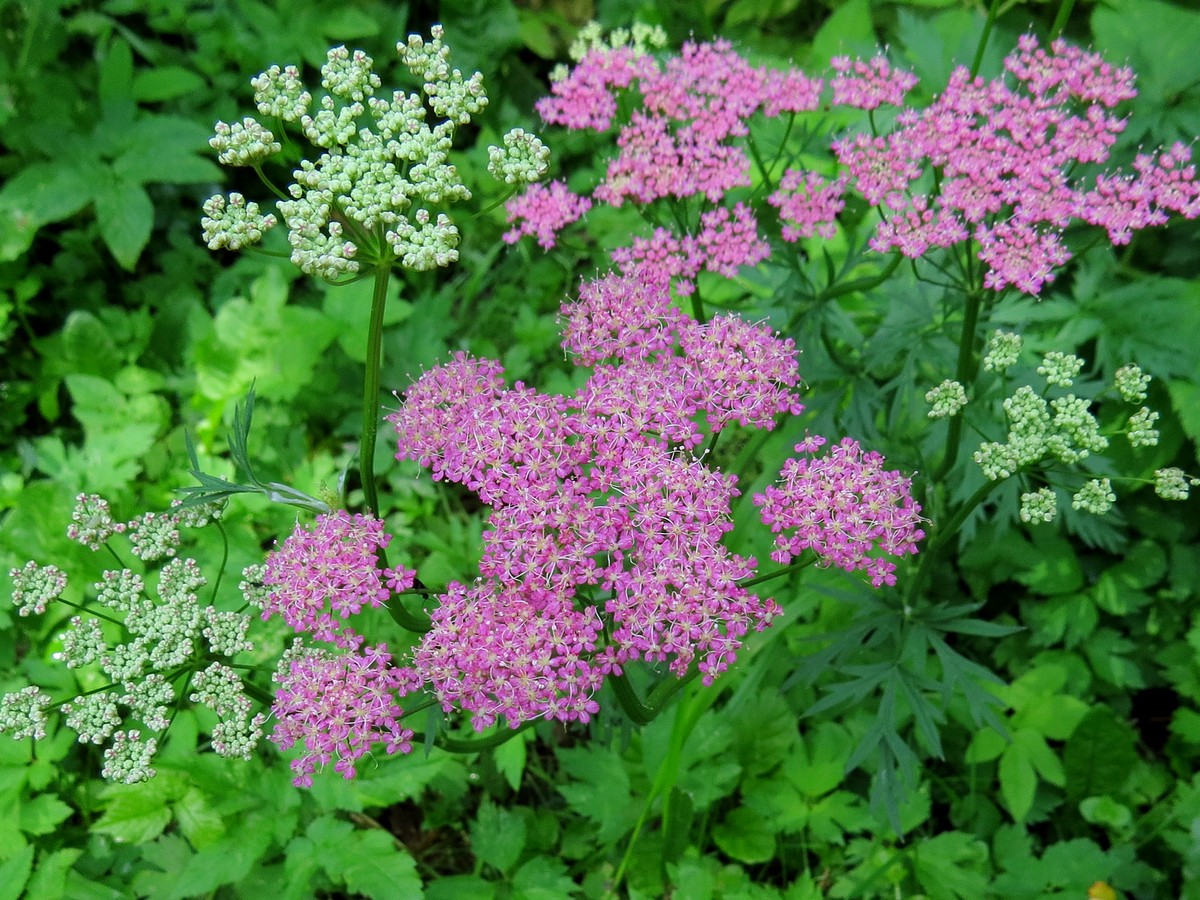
(121, 330)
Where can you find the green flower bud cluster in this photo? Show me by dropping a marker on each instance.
(1039, 506)
(23, 713)
(522, 160)
(1095, 497)
(244, 143)
(1173, 483)
(1046, 431)
(370, 197)
(34, 586)
(233, 222)
(640, 37)
(127, 760)
(1002, 351)
(946, 399)
(237, 733)
(152, 646)
(1060, 369)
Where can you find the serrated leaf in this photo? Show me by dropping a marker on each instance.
(379, 869)
(135, 817)
(599, 788)
(744, 836)
(125, 216)
(14, 873)
(40, 814)
(543, 878)
(497, 836)
(1018, 780)
(951, 866)
(49, 879)
(1100, 755)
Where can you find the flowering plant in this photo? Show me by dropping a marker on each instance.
(718, 426)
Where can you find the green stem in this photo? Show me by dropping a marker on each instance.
(89, 611)
(964, 374)
(862, 284)
(983, 38)
(1060, 20)
(945, 532)
(638, 712)
(456, 745)
(779, 573)
(366, 452)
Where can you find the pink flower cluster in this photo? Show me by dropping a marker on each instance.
(727, 240)
(328, 571)
(604, 541)
(337, 705)
(844, 506)
(869, 84)
(544, 210)
(681, 142)
(1002, 153)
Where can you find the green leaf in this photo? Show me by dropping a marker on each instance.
(510, 759)
(456, 887)
(847, 31)
(116, 84)
(49, 879)
(126, 216)
(1018, 780)
(42, 813)
(135, 816)
(165, 83)
(497, 836)
(599, 788)
(379, 869)
(199, 822)
(14, 873)
(1100, 755)
(744, 836)
(1107, 812)
(543, 878)
(951, 866)
(350, 306)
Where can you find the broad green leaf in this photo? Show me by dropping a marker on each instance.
(165, 83)
(49, 879)
(1044, 760)
(1100, 755)
(379, 869)
(40, 814)
(1107, 812)
(135, 816)
(985, 746)
(116, 84)
(126, 216)
(198, 820)
(14, 873)
(847, 32)
(350, 306)
(456, 887)
(510, 759)
(497, 836)
(598, 788)
(1018, 780)
(744, 836)
(951, 866)
(543, 878)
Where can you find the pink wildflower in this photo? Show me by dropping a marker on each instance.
(1019, 254)
(584, 100)
(790, 91)
(844, 506)
(808, 204)
(336, 706)
(327, 571)
(620, 317)
(870, 84)
(543, 210)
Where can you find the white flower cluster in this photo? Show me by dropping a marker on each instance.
(640, 37)
(1003, 349)
(368, 199)
(946, 399)
(244, 143)
(233, 222)
(522, 160)
(165, 637)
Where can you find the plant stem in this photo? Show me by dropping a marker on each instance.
(1060, 20)
(964, 374)
(637, 711)
(779, 573)
(456, 745)
(366, 450)
(944, 534)
(983, 38)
